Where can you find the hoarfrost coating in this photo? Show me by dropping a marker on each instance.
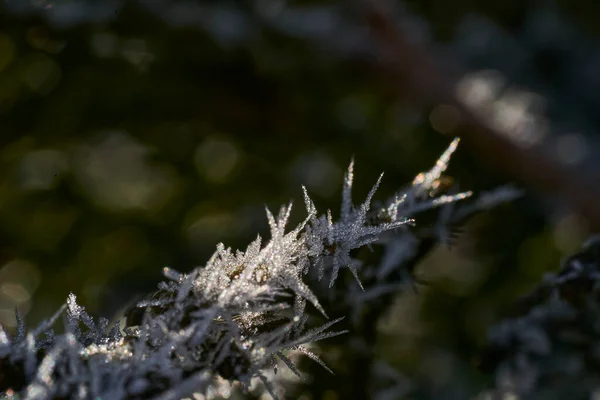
(232, 319)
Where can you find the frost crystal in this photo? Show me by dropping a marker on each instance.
(231, 319)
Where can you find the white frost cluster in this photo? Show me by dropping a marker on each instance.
(231, 319)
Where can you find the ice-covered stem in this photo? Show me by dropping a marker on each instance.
(230, 319)
(548, 345)
(403, 249)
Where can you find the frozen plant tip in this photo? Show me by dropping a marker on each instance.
(231, 319)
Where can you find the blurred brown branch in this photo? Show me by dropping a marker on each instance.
(416, 69)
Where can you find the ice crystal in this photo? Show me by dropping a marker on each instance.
(231, 319)
(335, 240)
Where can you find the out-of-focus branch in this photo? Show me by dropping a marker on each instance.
(414, 67)
(541, 329)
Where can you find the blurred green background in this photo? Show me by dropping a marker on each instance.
(139, 134)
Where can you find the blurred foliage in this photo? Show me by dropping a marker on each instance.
(138, 134)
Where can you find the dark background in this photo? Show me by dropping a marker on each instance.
(139, 134)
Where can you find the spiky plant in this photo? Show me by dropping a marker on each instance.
(235, 317)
